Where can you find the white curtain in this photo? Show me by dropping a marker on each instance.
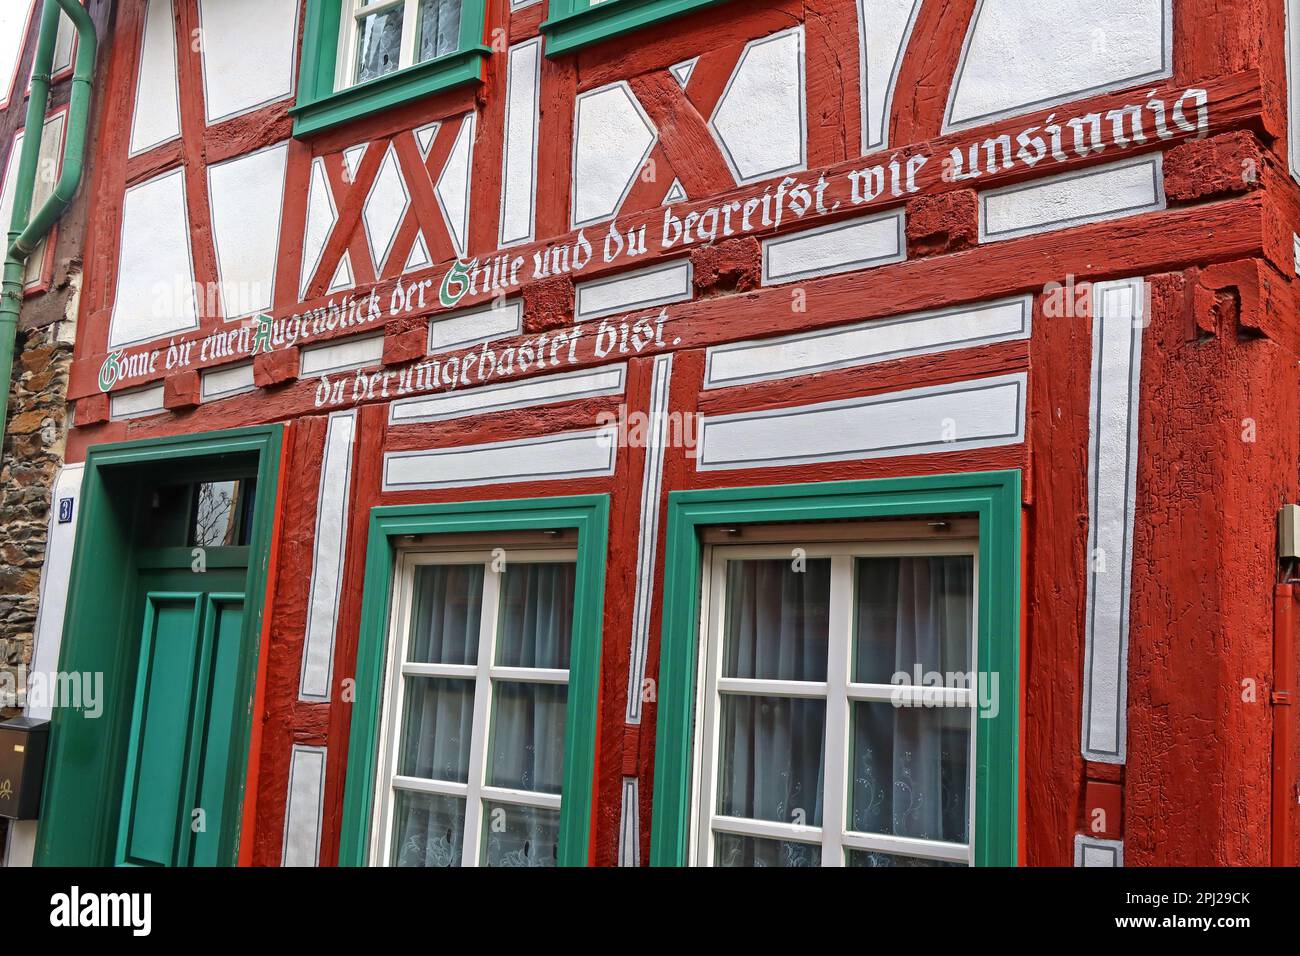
(910, 763)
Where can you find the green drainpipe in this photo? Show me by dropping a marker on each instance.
(25, 235)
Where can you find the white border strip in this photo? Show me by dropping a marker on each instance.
(652, 481)
(1097, 194)
(1120, 318)
(1094, 852)
(870, 342)
(870, 247)
(583, 454)
(304, 807)
(500, 396)
(629, 827)
(661, 284)
(978, 413)
(331, 538)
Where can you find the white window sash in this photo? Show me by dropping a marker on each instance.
(476, 790)
(838, 691)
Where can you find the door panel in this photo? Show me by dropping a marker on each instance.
(169, 654)
(179, 748)
(224, 621)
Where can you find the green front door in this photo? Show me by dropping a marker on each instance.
(178, 756)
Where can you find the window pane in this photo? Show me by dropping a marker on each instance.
(380, 43)
(439, 28)
(910, 771)
(528, 736)
(439, 714)
(445, 614)
(217, 507)
(776, 620)
(536, 625)
(871, 858)
(731, 849)
(770, 759)
(913, 614)
(520, 836)
(427, 829)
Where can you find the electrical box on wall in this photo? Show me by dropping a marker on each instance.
(1288, 532)
(22, 766)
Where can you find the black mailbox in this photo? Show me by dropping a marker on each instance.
(22, 766)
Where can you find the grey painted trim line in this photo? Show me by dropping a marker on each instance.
(1166, 70)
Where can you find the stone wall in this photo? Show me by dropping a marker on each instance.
(33, 453)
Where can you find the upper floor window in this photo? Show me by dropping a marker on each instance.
(571, 24)
(381, 36)
(364, 56)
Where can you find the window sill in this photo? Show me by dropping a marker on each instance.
(571, 31)
(393, 89)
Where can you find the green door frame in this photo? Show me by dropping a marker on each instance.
(994, 497)
(80, 809)
(589, 516)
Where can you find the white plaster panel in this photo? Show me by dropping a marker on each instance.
(227, 381)
(321, 217)
(330, 543)
(304, 807)
(340, 356)
(157, 116)
(480, 324)
(1022, 55)
(136, 403)
(519, 164)
(15, 18)
(249, 50)
(65, 45)
(543, 390)
(1098, 194)
(247, 196)
(865, 343)
(584, 454)
(642, 289)
(155, 274)
(1119, 320)
(1093, 851)
(861, 243)
(759, 120)
(884, 27)
(453, 185)
(981, 413)
(384, 208)
(612, 139)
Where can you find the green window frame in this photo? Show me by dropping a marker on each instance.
(572, 24)
(992, 497)
(588, 515)
(321, 106)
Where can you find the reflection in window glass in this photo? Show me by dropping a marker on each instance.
(379, 44)
(439, 28)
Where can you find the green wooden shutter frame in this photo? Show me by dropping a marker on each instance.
(87, 757)
(589, 516)
(320, 107)
(994, 497)
(573, 24)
